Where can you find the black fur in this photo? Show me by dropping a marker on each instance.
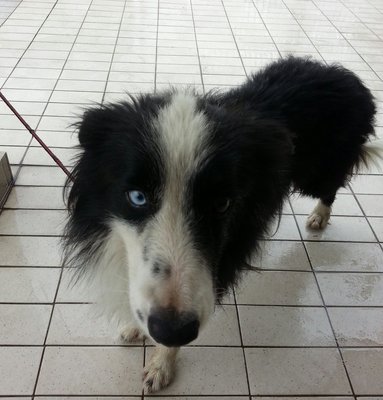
(296, 123)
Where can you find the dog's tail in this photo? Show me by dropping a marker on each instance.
(372, 155)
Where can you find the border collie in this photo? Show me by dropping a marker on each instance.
(173, 191)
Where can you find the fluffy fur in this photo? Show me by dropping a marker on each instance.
(173, 191)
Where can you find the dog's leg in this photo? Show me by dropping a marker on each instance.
(161, 368)
(131, 333)
(320, 216)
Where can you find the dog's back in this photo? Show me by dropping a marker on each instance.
(327, 109)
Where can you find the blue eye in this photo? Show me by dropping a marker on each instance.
(137, 198)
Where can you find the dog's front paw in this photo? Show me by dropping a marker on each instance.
(160, 370)
(131, 333)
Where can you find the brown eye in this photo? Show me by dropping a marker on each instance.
(222, 205)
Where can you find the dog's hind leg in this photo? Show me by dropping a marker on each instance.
(320, 216)
(160, 370)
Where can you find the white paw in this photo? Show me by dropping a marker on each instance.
(158, 373)
(317, 221)
(131, 333)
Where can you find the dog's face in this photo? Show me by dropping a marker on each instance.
(173, 181)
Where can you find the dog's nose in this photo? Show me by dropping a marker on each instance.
(171, 328)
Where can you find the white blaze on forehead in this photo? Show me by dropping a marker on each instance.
(183, 129)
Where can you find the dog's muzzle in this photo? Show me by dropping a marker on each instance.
(172, 328)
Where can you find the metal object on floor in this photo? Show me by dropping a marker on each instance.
(6, 178)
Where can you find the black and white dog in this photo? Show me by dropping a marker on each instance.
(173, 191)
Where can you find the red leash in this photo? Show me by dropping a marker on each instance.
(34, 134)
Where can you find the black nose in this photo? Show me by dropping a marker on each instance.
(171, 328)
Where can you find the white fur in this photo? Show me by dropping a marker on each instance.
(123, 277)
(373, 152)
(319, 217)
(160, 369)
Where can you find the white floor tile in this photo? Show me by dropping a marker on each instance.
(285, 326)
(18, 370)
(296, 372)
(91, 371)
(159, 43)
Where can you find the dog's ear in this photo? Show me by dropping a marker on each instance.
(93, 127)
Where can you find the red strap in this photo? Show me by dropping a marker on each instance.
(34, 134)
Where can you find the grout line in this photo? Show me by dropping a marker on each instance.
(234, 38)
(367, 219)
(344, 38)
(242, 346)
(258, 270)
(156, 64)
(61, 272)
(46, 334)
(16, 174)
(9, 303)
(267, 29)
(30, 43)
(10, 14)
(113, 53)
(200, 346)
(264, 239)
(303, 30)
(197, 47)
(325, 308)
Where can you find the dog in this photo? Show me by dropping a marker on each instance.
(173, 191)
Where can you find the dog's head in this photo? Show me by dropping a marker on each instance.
(186, 187)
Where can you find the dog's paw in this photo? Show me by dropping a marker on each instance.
(320, 216)
(317, 220)
(131, 333)
(159, 373)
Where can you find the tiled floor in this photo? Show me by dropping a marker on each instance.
(310, 325)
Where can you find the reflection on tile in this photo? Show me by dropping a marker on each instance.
(351, 289)
(303, 398)
(296, 371)
(281, 255)
(222, 328)
(287, 229)
(346, 257)
(357, 326)
(345, 204)
(353, 229)
(285, 326)
(279, 288)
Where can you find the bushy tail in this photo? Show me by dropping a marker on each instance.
(372, 155)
